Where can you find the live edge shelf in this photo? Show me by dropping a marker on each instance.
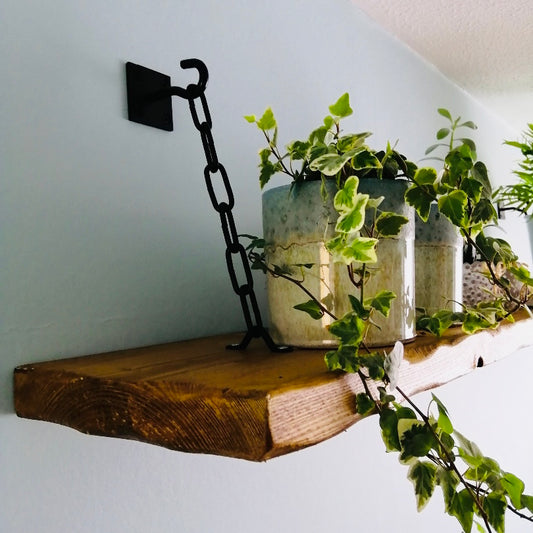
(196, 396)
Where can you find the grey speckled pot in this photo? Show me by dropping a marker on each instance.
(439, 263)
(295, 225)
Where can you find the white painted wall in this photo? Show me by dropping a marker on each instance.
(108, 241)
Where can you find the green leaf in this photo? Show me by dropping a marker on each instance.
(469, 447)
(480, 174)
(388, 422)
(358, 307)
(431, 324)
(364, 404)
(522, 274)
(345, 198)
(514, 486)
(433, 147)
(424, 478)
(445, 113)
(443, 420)
(474, 322)
(527, 502)
(361, 250)
(389, 224)
(250, 118)
(374, 364)
(420, 198)
(381, 302)
(479, 527)
(312, 308)
(328, 122)
(484, 211)
(472, 188)
(365, 159)
(405, 412)
(468, 124)
(462, 507)
(425, 176)
(349, 329)
(415, 437)
(442, 133)
(483, 469)
(352, 141)
(448, 481)
(330, 164)
(353, 220)
(495, 505)
(504, 252)
(341, 108)
(453, 206)
(298, 150)
(344, 358)
(268, 169)
(267, 121)
(459, 163)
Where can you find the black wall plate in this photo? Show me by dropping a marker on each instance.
(149, 98)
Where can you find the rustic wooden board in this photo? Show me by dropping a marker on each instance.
(196, 396)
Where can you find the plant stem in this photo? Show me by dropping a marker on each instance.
(450, 460)
(300, 284)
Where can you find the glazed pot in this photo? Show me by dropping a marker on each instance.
(439, 263)
(297, 222)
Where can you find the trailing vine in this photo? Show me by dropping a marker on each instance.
(475, 488)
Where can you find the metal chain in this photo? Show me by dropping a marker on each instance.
(235, 251)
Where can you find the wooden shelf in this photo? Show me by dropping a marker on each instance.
(196, 396)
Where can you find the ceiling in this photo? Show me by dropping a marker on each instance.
(484, 46)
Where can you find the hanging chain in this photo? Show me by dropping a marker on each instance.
(235, 251)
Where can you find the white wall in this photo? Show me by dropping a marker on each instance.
(108, 240)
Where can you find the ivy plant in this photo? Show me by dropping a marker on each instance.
(327, 153)
(463, 193)
(475, 489)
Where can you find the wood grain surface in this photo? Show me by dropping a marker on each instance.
(196, 396)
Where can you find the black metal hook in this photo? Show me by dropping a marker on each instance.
(193, 90)
(150, 93)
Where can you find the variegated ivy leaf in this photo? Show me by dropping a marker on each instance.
(352, 221)
(341, 108)
(267, 121)
(443, 420)
(360, 250)
(381, 302)
(389, 224)
(494, 505)
(420, 198)
(352, 141)
(365, 159)
(344, 199)
(312, 308)
(330, 164)
(349, 329)
(374, 203)
(514, 486)
(453, 206)
(521, 273)
(425, 176)
(423, 474)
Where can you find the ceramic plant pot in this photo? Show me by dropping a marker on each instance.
(296, 225)
(395, 269)
(439, 263)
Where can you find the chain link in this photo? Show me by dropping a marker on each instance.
(245, 290)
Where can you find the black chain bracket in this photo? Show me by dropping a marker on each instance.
(149, 103)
